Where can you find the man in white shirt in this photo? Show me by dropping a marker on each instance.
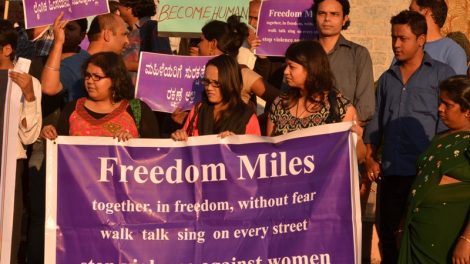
(30, 120)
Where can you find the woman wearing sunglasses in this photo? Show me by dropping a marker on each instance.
(222, 110)
(108, 110)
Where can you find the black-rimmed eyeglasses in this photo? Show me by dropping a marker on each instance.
(214, 83)
(95, 77)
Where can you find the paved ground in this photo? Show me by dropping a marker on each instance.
(370, 240)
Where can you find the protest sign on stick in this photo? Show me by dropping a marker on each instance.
(5, 11)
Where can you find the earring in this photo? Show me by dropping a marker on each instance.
(467, 114)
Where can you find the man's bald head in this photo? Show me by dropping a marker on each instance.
(102, 22)
(109, 33)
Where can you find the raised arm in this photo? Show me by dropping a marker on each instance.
(50, 77)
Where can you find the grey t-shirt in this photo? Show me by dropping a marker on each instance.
(352, 67)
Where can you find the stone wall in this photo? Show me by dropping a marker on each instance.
(370, 27)
(458, 18)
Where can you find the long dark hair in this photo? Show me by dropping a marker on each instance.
(237, 114)
(230, 35)
(320, 78)
(231, 82)
(113, 67)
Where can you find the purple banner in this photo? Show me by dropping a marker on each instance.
(282, 22)
(242, 198)
(167, 82)
(39, 13)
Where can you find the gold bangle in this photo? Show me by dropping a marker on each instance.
(465, 238)
(51, 68)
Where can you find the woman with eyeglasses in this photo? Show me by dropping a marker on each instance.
(220, 37)
(222, 110)
(109, 109)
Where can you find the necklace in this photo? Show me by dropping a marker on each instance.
(316, 103)
(297, 110)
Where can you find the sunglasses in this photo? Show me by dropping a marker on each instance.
(214, 83)
(94, 77)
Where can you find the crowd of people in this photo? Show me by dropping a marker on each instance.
(413, 128)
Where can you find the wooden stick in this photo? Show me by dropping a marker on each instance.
(5, 12)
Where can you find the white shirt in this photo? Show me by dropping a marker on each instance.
(31, 112)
